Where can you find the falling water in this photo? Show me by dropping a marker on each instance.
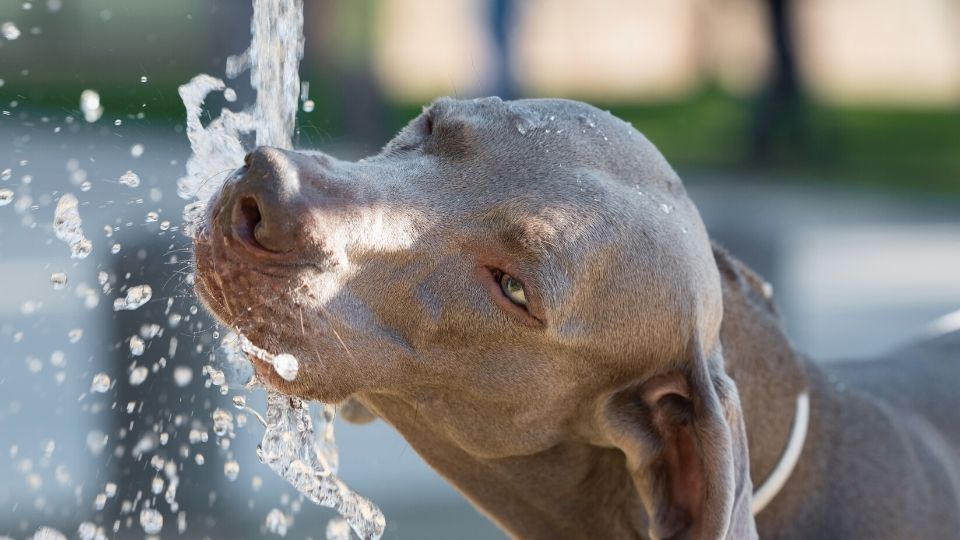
(297, 445)
(67, 226)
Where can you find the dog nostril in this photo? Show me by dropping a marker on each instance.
(250, 216)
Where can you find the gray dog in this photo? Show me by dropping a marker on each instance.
(525, 292)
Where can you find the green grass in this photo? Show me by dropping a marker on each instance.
(902, 149)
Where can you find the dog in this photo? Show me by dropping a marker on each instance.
(526, 293)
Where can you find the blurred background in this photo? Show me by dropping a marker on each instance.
(819, 138)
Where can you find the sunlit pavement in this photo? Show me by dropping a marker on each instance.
(854, 274)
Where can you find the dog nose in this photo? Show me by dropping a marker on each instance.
(265, 204)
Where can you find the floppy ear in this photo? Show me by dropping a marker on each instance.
(686, 448)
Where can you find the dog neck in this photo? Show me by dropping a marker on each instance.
(571, 490)
(769, 374)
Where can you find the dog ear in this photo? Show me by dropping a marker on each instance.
(683, 437)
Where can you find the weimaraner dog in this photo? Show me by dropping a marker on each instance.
(526, 293)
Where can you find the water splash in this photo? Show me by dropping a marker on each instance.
(291, 448)
(273, 60)
(296, 445)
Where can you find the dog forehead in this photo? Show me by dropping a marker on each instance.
(543, 135)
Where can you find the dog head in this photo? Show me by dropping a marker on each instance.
(524, 272)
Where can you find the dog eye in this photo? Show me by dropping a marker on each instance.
(513, 290)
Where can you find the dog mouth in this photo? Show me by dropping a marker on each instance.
(278, 312)
(240, 292)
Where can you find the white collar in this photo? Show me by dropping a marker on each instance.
(788, 460)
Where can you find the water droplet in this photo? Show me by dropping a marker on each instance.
(110, 489)
(309, 105)
(240, 402)
(149, 331)
(90, 105)
(199, 459)
(67, 227)
(137, 346)
(286, 366)
(229, 94)
(89, 531)
(34, 364)
(156, 486)
(59, 280)
(9, 31)
(139, 374)
(96, 441)
(666, 208)
(231, 469)
(136, 150)
(338, 529)
(182, 375)
(100, 383)
(118, 122)
(196, 436)
(152, 217)
(222, 422)
(58, 359)
(135, 297)
(276, 522)
(6, 174)
(151, 520)
(143, 79)
(130, 179)
(6, 196)
(46, 533)
(767, 290)
(74, 335)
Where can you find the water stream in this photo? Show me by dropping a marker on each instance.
(298, 444)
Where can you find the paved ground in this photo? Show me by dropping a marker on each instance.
(854, 273)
